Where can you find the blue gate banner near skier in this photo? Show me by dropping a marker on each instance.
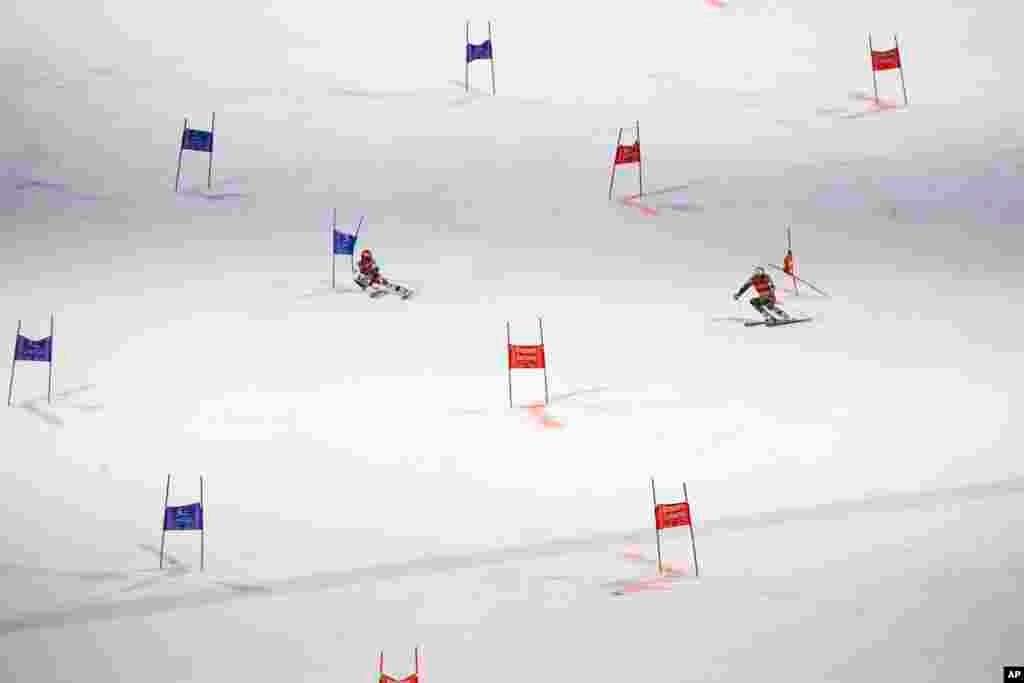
(344, 243)
(33, 349)
(197, 140)
(481, 51)
(183, 517)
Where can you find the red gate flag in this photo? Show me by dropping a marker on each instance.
(525, 357)
(787, 264)
(668, 515)
(886, 60)
(627, 154)
(883, 60)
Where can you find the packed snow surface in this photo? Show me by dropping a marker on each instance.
(855, 481)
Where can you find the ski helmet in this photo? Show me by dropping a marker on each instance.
(759, 270)
(366, 254)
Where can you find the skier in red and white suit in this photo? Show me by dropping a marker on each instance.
(764, 302)
(369, 273)
(369, 276)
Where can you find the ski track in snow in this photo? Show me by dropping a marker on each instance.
(119, 609)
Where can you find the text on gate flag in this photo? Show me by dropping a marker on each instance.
(183, 517)
(668, 515)
(197, 140)
(344, 243)
(525, 357)
(33, 349)
(627, 154)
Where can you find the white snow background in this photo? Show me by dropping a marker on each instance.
(856, 480)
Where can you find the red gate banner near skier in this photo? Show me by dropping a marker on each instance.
(526, 357)
(627, 154)
(788, 267)
(670, 515)
(886, 60)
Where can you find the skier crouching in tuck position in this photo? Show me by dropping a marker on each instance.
(369, 273)
(764, 302)
(369, 276)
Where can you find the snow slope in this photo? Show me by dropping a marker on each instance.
(855, 480)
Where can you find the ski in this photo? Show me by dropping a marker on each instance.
(753, 323)
(376, 291)
(404, 292)
(399, 290)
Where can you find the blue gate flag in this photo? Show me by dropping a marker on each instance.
(33, 349)
(344, 243)
(198, 140)
(183, 517)
(481, 51)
